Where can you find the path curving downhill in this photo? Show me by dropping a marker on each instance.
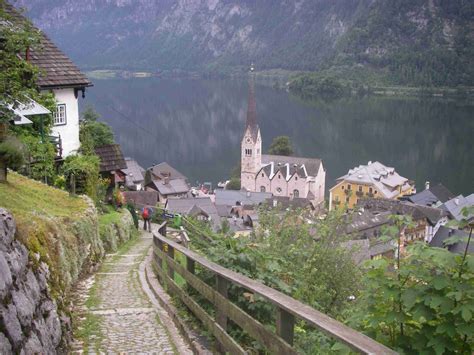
(114, 313)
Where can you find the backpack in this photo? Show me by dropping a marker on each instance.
(145, 213)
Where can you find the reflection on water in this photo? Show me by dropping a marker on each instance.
(196, 125)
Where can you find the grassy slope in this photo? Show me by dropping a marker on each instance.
(28, 199)
(60, 229)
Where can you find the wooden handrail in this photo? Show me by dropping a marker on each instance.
(287, 307)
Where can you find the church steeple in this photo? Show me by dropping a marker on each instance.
(251, 146)
(251, 123)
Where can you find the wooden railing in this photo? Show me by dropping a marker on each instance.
(287, 308)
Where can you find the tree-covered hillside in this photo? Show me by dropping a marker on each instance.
(409, 42)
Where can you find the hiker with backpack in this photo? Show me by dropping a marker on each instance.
(146, 215)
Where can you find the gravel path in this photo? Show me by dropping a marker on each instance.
(115, 315)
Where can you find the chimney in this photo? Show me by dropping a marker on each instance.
(370, 162)
(427, 185)
(166, 180)
(456, 201)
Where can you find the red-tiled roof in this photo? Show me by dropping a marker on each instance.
(56, 69)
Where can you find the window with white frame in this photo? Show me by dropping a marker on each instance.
(60, 115)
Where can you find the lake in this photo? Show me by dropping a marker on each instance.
(196, 125)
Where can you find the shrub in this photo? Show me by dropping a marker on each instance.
(12, 152)
(83, 171)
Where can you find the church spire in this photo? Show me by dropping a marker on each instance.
(252, 106)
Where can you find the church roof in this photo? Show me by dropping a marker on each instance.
(289, 166)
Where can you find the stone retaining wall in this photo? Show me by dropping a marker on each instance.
(30, 294)
(29, 320)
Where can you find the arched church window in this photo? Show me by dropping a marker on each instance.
(296, 193)
(263, 189)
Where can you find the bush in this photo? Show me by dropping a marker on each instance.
(12, 152)
(85, 172)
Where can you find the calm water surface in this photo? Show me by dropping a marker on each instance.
(196, 125)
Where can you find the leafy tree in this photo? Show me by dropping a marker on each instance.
(424, 304)
(236, 171)
(92, 133)
(40, 158)
(18, 85)
(281, 146)
(233, 184)
(17, 76)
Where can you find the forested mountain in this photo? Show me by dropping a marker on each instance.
(429, 41)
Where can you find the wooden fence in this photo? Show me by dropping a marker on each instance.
(287, 308)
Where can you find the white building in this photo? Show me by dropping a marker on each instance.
(59, 75)
(281, 175)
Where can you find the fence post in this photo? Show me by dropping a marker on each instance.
(162, 230)
(190, 265)
(285, 325)
(171, 255)
(222, 286)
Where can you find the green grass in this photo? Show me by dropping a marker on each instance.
(112, 217)
(26, 198)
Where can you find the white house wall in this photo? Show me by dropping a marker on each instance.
(69, 132)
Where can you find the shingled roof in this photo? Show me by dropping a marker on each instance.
(111, 158)
(56, 69)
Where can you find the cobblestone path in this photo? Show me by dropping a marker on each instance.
(113, 314)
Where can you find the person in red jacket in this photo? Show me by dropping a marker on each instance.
(146, 215)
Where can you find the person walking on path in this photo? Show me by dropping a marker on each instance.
(146, 215)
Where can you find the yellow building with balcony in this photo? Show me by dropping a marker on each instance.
(368, 181)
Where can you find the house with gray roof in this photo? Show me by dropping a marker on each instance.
(427, 219)
(233, 198)
(199, 207)
(432, 196)
(454, 207)
(168, 181)
(445, 233)
(371, 180)
(134, 175)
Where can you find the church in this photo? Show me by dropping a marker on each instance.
(285, 176)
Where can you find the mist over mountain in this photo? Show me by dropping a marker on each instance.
(393, 35)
